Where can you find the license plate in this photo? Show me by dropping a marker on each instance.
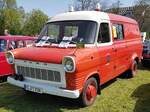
(33, 89)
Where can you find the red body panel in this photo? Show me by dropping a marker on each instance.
(5, 68)
(49, 55)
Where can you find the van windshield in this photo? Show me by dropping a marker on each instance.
(3, 44)
(73, 31)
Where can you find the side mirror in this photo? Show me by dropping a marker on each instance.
(80, 44)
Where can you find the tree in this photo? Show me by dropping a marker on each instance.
(11, 4)
(2, 22)
(12, 21)
(10, 17)
(116, 7)
(142, 14)
(85, 4)
(34, 23)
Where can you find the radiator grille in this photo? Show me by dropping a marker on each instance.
(41, 74)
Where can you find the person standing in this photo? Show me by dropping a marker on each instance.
(6, 33)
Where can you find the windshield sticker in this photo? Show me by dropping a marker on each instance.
(65, 42)
(42, 41)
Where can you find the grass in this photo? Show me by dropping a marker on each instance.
(121, 95)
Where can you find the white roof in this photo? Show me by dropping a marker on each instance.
(81, 15)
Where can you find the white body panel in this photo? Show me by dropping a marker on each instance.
(96, 16)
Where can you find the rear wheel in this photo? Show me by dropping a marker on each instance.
(89, 93)
(133, 71)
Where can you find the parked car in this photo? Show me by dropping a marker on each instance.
(76, 53)
(9, 43)
(146, 53)
(143, 35)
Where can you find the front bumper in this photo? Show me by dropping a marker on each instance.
(46, 88)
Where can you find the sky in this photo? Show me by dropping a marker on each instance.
(53, 7)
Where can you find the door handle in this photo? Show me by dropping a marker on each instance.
(108, 58)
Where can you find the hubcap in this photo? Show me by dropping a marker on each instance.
(91, 92)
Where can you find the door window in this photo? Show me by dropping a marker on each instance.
(20, 44)
(12, 45)
(104, 33)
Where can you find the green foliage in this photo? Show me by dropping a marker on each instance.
(18, 22)
(11, 4)
(34, 22)
(85, 4)
(1, 22)
(12, 20)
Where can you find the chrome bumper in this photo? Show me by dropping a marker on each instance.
(46, 88)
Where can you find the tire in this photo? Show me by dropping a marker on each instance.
(89, 93)
(3, 79)
(133, 70)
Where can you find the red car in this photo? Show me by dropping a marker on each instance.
(10, 43)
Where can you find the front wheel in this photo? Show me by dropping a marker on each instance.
(89, 93)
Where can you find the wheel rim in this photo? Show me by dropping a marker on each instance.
(91, 92)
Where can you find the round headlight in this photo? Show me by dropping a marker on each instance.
(69, 64)
(9, 57)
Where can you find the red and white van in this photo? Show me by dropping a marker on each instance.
(76, 53)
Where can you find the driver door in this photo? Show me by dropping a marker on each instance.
(106, 52)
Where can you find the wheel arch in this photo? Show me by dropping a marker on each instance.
(135, 58)
(96, 75)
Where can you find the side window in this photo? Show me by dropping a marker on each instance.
(118, 31)
(29, 43)
(104, 34)
(12, 45)
(20, 44)
(3, 44)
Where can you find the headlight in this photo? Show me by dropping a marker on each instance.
(69, 64)
(9, 57)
